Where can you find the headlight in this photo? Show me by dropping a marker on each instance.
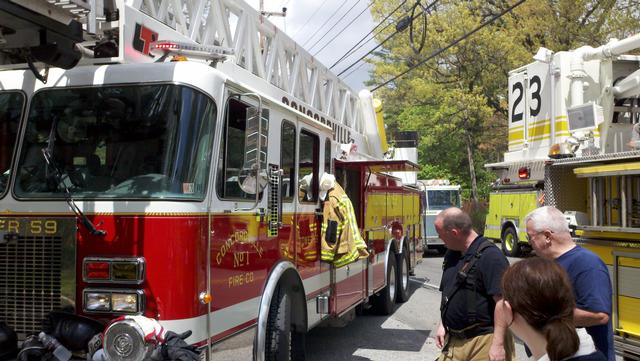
(116, 301)
(97, 302)
(124, 302)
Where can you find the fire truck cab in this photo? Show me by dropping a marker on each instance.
(186, 191)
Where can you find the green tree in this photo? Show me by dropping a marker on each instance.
(457, 99)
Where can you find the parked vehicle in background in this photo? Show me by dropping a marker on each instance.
(437, 195)
(509, 204)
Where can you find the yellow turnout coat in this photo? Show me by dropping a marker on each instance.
(343, 243)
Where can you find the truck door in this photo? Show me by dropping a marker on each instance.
(494, 219)
(239, 240)
(306, 219)
(351, 280)
(288, 188)
(527, 202)
(375, 218)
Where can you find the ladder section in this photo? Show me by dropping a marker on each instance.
(260, 48)
(60, 10)
(52, 31)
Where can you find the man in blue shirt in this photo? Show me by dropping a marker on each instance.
(550, 236)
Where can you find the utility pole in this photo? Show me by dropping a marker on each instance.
(263, 13)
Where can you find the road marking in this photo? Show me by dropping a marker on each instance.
(431, 287)
(424, 283)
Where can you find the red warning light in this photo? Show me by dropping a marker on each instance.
(165, 45)
(523, 173)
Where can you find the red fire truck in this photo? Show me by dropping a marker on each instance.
(152, 160)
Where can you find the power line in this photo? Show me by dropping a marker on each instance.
(337, 22)
(454, 43)
(309, 19)
(387, 38)
(354, 70)
(351, 51)
(325, 23)
(367, 54)
(343, 29)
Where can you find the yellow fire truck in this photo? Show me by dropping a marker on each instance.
(577, 113)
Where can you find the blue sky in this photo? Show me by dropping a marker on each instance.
(305, 18)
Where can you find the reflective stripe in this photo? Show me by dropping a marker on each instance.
(233, 316)
(347, 258)
(223, 320)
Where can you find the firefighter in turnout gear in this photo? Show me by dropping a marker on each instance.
(341, 242)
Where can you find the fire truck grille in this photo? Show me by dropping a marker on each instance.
(30, 281)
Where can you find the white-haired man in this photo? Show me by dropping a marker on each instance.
(549, 235)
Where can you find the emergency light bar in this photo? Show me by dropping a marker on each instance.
(164, 47)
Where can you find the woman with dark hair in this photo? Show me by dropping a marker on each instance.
(538, 306)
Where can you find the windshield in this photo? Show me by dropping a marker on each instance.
(11, 104)
(442, 199)
(151, 141)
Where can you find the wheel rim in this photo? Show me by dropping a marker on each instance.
(508, 241)
(392, 283)
(405, 275)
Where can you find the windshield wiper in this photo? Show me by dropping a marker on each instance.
(48, 158)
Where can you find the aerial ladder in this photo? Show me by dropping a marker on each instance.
(64, 33)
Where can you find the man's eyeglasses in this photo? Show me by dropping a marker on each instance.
(529, 238)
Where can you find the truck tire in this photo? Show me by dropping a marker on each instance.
(403, 262)
(510, 245)
(385, 300)
(282, 342)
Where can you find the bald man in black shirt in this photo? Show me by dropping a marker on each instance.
(470, 286)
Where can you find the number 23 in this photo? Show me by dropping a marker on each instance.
(535, 95)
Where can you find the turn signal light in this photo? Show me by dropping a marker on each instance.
(124, 271)
(554, 151)
(205, 298)
(562, 150)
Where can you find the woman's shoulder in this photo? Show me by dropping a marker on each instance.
(594, 356)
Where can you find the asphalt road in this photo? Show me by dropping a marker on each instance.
(407, 334)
